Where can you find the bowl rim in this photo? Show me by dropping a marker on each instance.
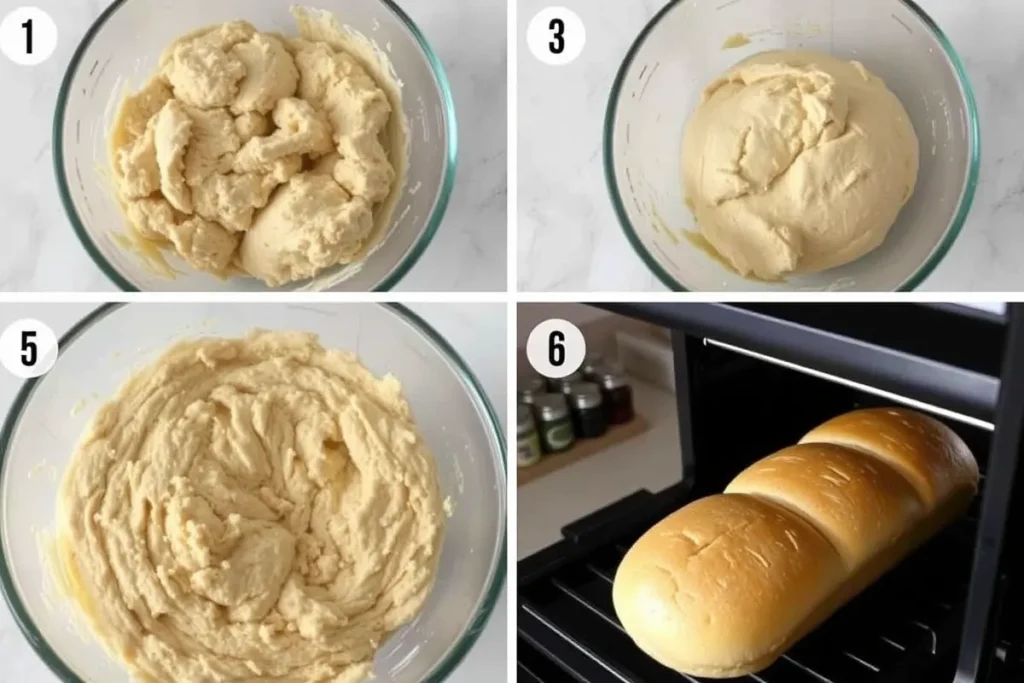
(930, 262)
(390, 280)
(485, 604)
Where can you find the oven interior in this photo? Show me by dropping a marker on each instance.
(735, 408)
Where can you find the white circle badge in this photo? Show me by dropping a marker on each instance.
(28, 36)
(556, 348)
(556, 36)
(28, 348)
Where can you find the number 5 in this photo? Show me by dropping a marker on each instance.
(557, 45)
(556, 351)
(29, 349)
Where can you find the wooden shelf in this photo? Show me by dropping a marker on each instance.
(583, 448)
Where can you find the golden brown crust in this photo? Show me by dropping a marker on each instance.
(928, 453)
(708, 574)
(723, 586)
(860, 503)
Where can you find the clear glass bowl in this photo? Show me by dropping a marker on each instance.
(123, 49)
(681, 50)
(42, 429)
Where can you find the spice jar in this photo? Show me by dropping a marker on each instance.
(566, 386)
(527, 439)
(554, 423)
(588, 414)
(555, 385)
(530, 388)
(618, 396)
(592, 367)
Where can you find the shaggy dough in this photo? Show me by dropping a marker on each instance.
(253, 509)
(282, 244)
(232, 117)
(796, 162)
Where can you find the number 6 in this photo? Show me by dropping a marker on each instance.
(556, 350)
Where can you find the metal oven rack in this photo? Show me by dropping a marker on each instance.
(937, 616)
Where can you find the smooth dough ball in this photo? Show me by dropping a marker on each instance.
(796, 162)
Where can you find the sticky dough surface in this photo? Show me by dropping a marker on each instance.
(251, 509)
(217, 155)
(796, 162)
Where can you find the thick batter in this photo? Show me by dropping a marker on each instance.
(254, 509)
(252, 152)
(796, 162)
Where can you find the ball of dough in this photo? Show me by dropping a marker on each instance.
(796, 162)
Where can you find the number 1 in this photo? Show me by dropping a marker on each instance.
(28, 36)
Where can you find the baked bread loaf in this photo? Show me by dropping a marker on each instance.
(723, 586)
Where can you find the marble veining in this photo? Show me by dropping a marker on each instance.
(469, 252)
(569, 238)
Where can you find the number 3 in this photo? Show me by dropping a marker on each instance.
(29, 349)
(558, 44)
(556, 351)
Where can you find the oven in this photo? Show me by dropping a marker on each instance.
(753, 378)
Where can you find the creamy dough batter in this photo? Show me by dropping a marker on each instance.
(252, 152)
(253, 509)
(796, 162)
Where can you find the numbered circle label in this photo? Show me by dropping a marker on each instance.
(28, 348)
(556, 348)
(556, 36)
(28, 36)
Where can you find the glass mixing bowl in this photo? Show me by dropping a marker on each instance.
(681, 50)
(122, 49)
(457, 421)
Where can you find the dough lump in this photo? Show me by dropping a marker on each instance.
(796, 162)
(256, 509)
(231, 117)
(311, 223)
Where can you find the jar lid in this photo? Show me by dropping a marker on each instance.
(534, 382)
(568, 379)
(614, 379)
(551, 407)
(567, 387)
(528, 395)
(524, 419)
(586, 395)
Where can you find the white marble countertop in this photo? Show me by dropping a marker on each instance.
(476, 331)
(469, 253)
(569, 238)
